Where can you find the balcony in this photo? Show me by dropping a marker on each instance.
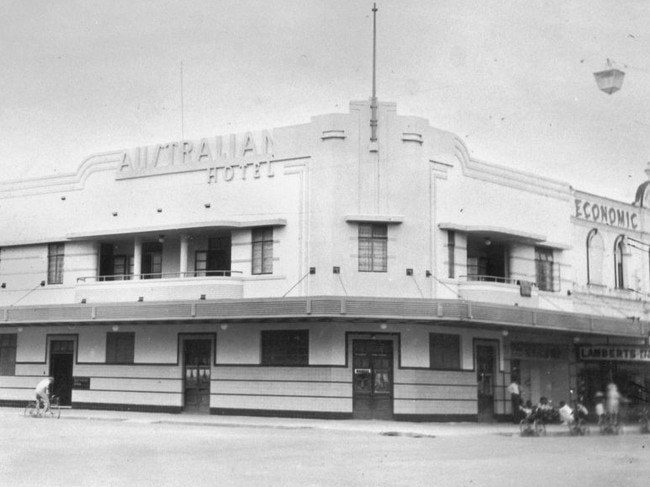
(166, 286)
(497, 290)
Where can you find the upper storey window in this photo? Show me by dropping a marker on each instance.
(373, 247)
(544, 269)
(451, 253)
(55, 263)
(595, 253)
(619, 264)
(262, 250)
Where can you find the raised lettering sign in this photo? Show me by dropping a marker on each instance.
(248, 155)
(608, 215)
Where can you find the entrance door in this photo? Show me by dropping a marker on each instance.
(372, 363)
(196, 358)
(485, 354)
(61, 362)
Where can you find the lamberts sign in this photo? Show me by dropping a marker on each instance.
(617, 353)
(248, 155)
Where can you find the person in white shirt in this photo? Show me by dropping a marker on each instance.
(515, 399)
(613, 401)
(42, 392)
(600, 407)
(566, 413)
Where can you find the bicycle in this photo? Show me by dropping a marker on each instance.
(578, 427)
(532, 427)
(609, 424)
(34, 410)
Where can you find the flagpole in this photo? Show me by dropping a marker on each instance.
(373, 100)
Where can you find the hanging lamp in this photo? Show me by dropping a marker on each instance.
(609, 80)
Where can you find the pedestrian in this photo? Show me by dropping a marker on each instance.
(515, 399)
(613, 402)
(600, 407)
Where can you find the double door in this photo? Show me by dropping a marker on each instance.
(197, 355)
(372, 362)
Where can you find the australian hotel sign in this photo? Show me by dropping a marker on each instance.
(618, 353)
(245, 156)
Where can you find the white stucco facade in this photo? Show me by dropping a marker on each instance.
(236, 248)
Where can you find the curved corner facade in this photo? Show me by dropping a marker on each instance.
(309, 271)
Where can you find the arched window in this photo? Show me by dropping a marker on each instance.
(620, 249)
(595, 253)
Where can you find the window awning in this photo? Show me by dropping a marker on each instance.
(395, 219)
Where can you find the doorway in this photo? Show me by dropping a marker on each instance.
(61, 364)
(372, 368)
(152, 260)
(197, 353)
(485, 354)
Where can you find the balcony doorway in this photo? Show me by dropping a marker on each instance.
(216, 260)
(152, 260)
(115, 262)
(486, 260)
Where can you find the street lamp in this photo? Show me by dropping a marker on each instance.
(609, 80)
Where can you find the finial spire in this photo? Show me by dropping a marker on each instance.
(373, 100)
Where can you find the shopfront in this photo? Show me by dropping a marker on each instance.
(627, 366)
(543, 370)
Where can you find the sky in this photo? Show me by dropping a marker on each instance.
(513, 79)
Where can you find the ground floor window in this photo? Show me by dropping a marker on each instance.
(120, 347)
(285, 347)
(8, 354)
(444, 351)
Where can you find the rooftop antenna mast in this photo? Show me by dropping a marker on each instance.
(373, 100)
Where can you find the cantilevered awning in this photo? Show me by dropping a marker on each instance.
(271, 222)
(503, 233)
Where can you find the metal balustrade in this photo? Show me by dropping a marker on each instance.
(159, 275)
(487, 278)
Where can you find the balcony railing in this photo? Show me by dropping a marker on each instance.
(158, 275)
(486, 278)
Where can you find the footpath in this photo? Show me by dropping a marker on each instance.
(389, 428)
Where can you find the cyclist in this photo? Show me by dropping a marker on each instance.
(42, 393)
